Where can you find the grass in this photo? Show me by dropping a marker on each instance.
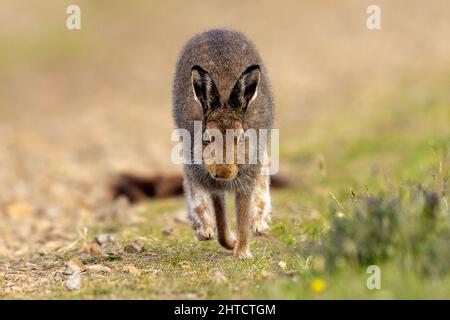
(354, 169)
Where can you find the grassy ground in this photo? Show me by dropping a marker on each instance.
(362, 116)
(372, 153)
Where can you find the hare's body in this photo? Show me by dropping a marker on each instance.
(221, 82)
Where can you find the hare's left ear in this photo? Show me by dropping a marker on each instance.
(205, 90)
(246, 88)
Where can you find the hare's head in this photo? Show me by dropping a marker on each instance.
(224, 119)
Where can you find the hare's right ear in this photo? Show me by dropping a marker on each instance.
(246, 88)
(205, 90)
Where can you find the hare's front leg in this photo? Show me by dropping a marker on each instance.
(201, 210)
(224, 235)
(243, 207)
(261, 210)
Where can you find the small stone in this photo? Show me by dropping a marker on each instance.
(167, 231)
(132, 270)
(104, 238)
(181, 217)
(95, 250)
(53, 212)
(134, 247)
(98, 268)
(110, 250)
(282, 264)
(74, 266)
(73, 282)
(31, 266)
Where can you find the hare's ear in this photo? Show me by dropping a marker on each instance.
(246, 88)
(205, 90)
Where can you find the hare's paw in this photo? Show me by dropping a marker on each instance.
(205, 232)
(202, 215)
(228, 241)
(242, 253)
(261, 226)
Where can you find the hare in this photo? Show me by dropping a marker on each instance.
(221, 83)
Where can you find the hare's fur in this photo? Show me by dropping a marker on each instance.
(206, 88)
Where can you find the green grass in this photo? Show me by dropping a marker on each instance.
(392, 149)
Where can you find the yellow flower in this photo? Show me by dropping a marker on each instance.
(318, 286)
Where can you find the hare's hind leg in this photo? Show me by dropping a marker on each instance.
(226, 239)
(261, 210)
(201, 211)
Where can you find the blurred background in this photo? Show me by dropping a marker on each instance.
(78, 107)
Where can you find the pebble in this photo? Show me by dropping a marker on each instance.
(104, 238)
(73, 282)
(134, 247)
(167, 231)
(110, 250)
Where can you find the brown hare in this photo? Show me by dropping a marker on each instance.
(221, 83)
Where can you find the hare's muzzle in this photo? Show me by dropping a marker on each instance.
(226, 172)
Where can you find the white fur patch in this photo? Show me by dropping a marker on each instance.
(201, 212)
(262, 206)
(254, 96)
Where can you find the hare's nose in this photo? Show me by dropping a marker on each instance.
(224, 173)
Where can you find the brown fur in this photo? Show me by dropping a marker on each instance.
(221, 120)
(223, 232)
(220, 80)
(243, 203)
